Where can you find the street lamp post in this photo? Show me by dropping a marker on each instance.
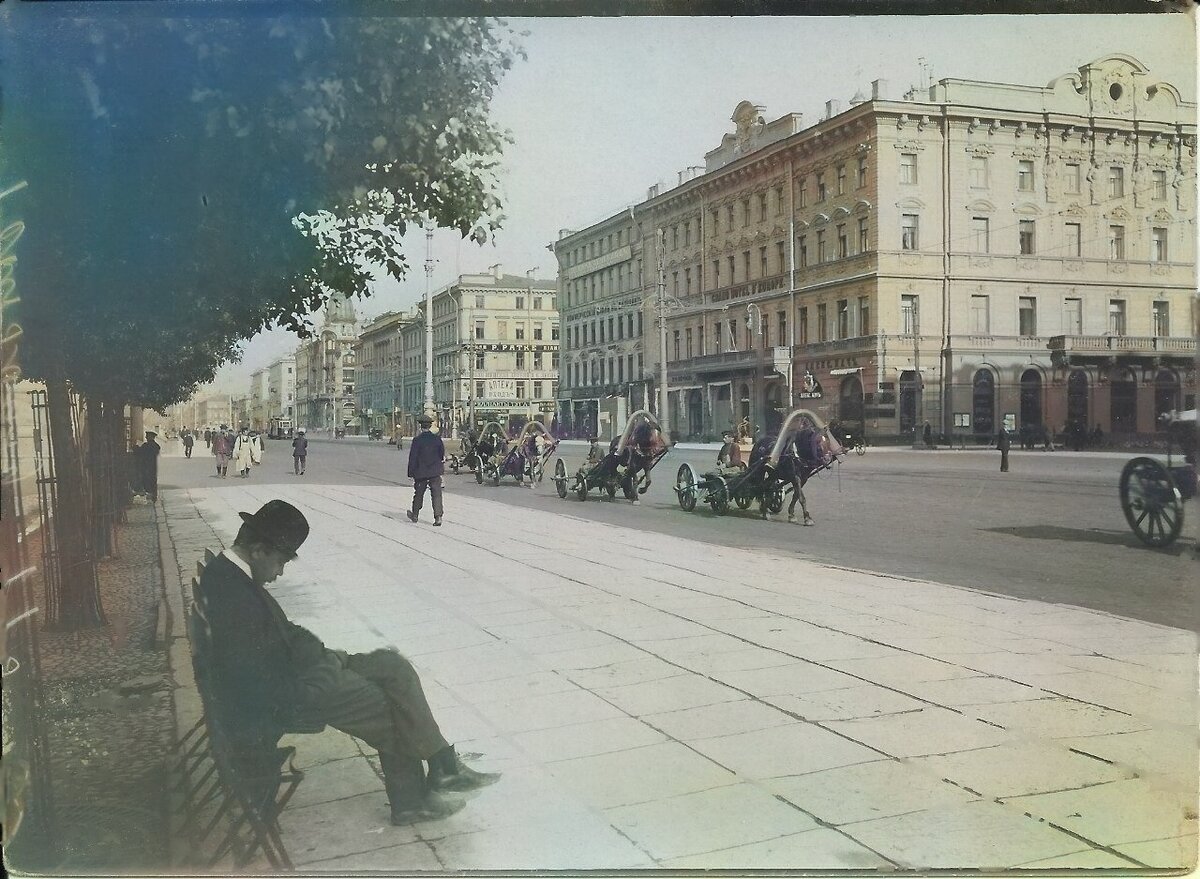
(529, 325)
(663, 419)
(430, 409)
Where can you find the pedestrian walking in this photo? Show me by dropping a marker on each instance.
(188, 441)
(927, 435)
(208, 435)
(276, 677)
(426, 455)
(241, 454)
(256, 448)
(222, 445)
(147, 466)
(299, 452)
(1002, 444)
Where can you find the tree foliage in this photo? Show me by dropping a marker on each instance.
(199, 172)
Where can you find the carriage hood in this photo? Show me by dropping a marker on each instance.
(638, 418)
(796, 421)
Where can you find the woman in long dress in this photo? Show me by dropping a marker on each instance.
(256, 448)
(241, 454)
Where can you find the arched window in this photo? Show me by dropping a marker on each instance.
(1166, 395)
(1123, 396)
(1077, 399)
(850, 400)
(1031, 398)
(983, 403)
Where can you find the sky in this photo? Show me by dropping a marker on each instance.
(605, 107)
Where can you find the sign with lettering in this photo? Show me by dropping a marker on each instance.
(510, 346)
(500, 387)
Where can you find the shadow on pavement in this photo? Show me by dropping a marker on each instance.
(1084, 535)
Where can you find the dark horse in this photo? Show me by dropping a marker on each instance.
(807, 453)
(641, 452)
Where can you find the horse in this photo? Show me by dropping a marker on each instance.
(645, 443)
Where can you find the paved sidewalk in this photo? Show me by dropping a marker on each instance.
(656, 702)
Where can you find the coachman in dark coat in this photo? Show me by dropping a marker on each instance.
(271, 676)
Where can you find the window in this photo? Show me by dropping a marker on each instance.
(1158, 245)
(674, 237)
(762, 206)
(611, 334)
(687, 334)
(746, 211)
(1160, 185)
(908, 167)
(1025, 175)
(687, 233)
(978, 178)
(843, 243)
(1026, 316)
(537, 390)
(1025, 233)
(478, 390)
(803, 192)
(821, 187)
(1071, 178)
(716, 221)
(803, 326)
(1116, 316)
(716, 273)
(1116, 242)
(864, 316)
(1116, 182)
(909, 318)
(620, 370)
(675, 283)
(762, 262)
(479, 361)
(700, 340)
(729, 217)
(745, 265)
(718, 340)
(822, 321)
(863, 236)
(1073, 232)
(480, 327)
(732, 269)
(802, 248)
(520, 303)
(537, 332)
(1073, 316)
(821, 246)
(979, 315)
(520, 331)
(778, 200)
(687, 282)
(843, 319)
(1161, 318)
(479, 302)
(520, 390)
(675, 339)
(537, 302)
(554, 331)
(980, 240)
(841, 179)
(781, 258)
(520, 360)
(733, 334)
(501, 329)
(862, 173)
(908, 232)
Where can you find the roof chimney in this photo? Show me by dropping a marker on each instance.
(832, 108)
(496, 272)
(652, 192)
(879, 90)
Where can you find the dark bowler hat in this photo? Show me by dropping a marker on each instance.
(279, 524)
(425, 421)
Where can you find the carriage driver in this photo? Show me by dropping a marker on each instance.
(729, 459)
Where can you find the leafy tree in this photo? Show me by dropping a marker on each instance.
(199, 172)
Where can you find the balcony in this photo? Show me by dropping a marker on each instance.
(1082, 348)
(725, 361)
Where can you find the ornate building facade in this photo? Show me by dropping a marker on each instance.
(977, 256)
(325, 371)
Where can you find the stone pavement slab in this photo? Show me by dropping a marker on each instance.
(659, 702)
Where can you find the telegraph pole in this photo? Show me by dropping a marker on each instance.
(663, 424)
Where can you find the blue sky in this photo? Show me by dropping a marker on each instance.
(605, 107)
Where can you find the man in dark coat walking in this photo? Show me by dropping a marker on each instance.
(425, 467)
(1003, 443)
(270, 676)
(299, 453)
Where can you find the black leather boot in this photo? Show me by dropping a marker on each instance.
(447, 772)
(409, 794)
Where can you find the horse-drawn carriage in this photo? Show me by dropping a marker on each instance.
(1153, 493)
(627, 465)
(525, 457)
(804, 446)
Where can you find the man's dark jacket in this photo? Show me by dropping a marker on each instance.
(425, 456)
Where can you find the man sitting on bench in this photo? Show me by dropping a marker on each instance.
(274, 676)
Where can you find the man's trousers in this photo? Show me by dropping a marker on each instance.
(434, 484)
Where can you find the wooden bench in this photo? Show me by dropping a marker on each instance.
(222, 782)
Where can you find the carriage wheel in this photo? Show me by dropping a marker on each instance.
(685, 488)
(479, 473)
(560, 478)
(775, 500)
(581, 488)
(718, 497)
(743, 501)
(1152, 504)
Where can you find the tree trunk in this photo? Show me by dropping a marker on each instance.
(79, 599)
(100, 463)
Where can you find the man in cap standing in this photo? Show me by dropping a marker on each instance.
(222, 446)
(425, 467)
(270, 676)
(299, 452)
(147, 465)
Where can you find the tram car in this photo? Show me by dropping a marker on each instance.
(626, 466)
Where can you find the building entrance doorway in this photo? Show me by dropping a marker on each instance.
(1123, 411)
(983, 403)
(1166, 396)
(1077, 400)
(910, 390)
(1031, 398)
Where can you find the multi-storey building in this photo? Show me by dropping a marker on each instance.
(977, 256)
(259, 398)
(381, 362)
(325, 371)
(281, 391)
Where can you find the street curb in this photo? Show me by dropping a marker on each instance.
(172, 617)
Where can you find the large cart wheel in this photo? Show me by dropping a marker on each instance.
(479, 473)
(718, 496)
(1152, 503)
(560, 478)
(743, 501)
(685, 487)
(775, 500)
(581, 488)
